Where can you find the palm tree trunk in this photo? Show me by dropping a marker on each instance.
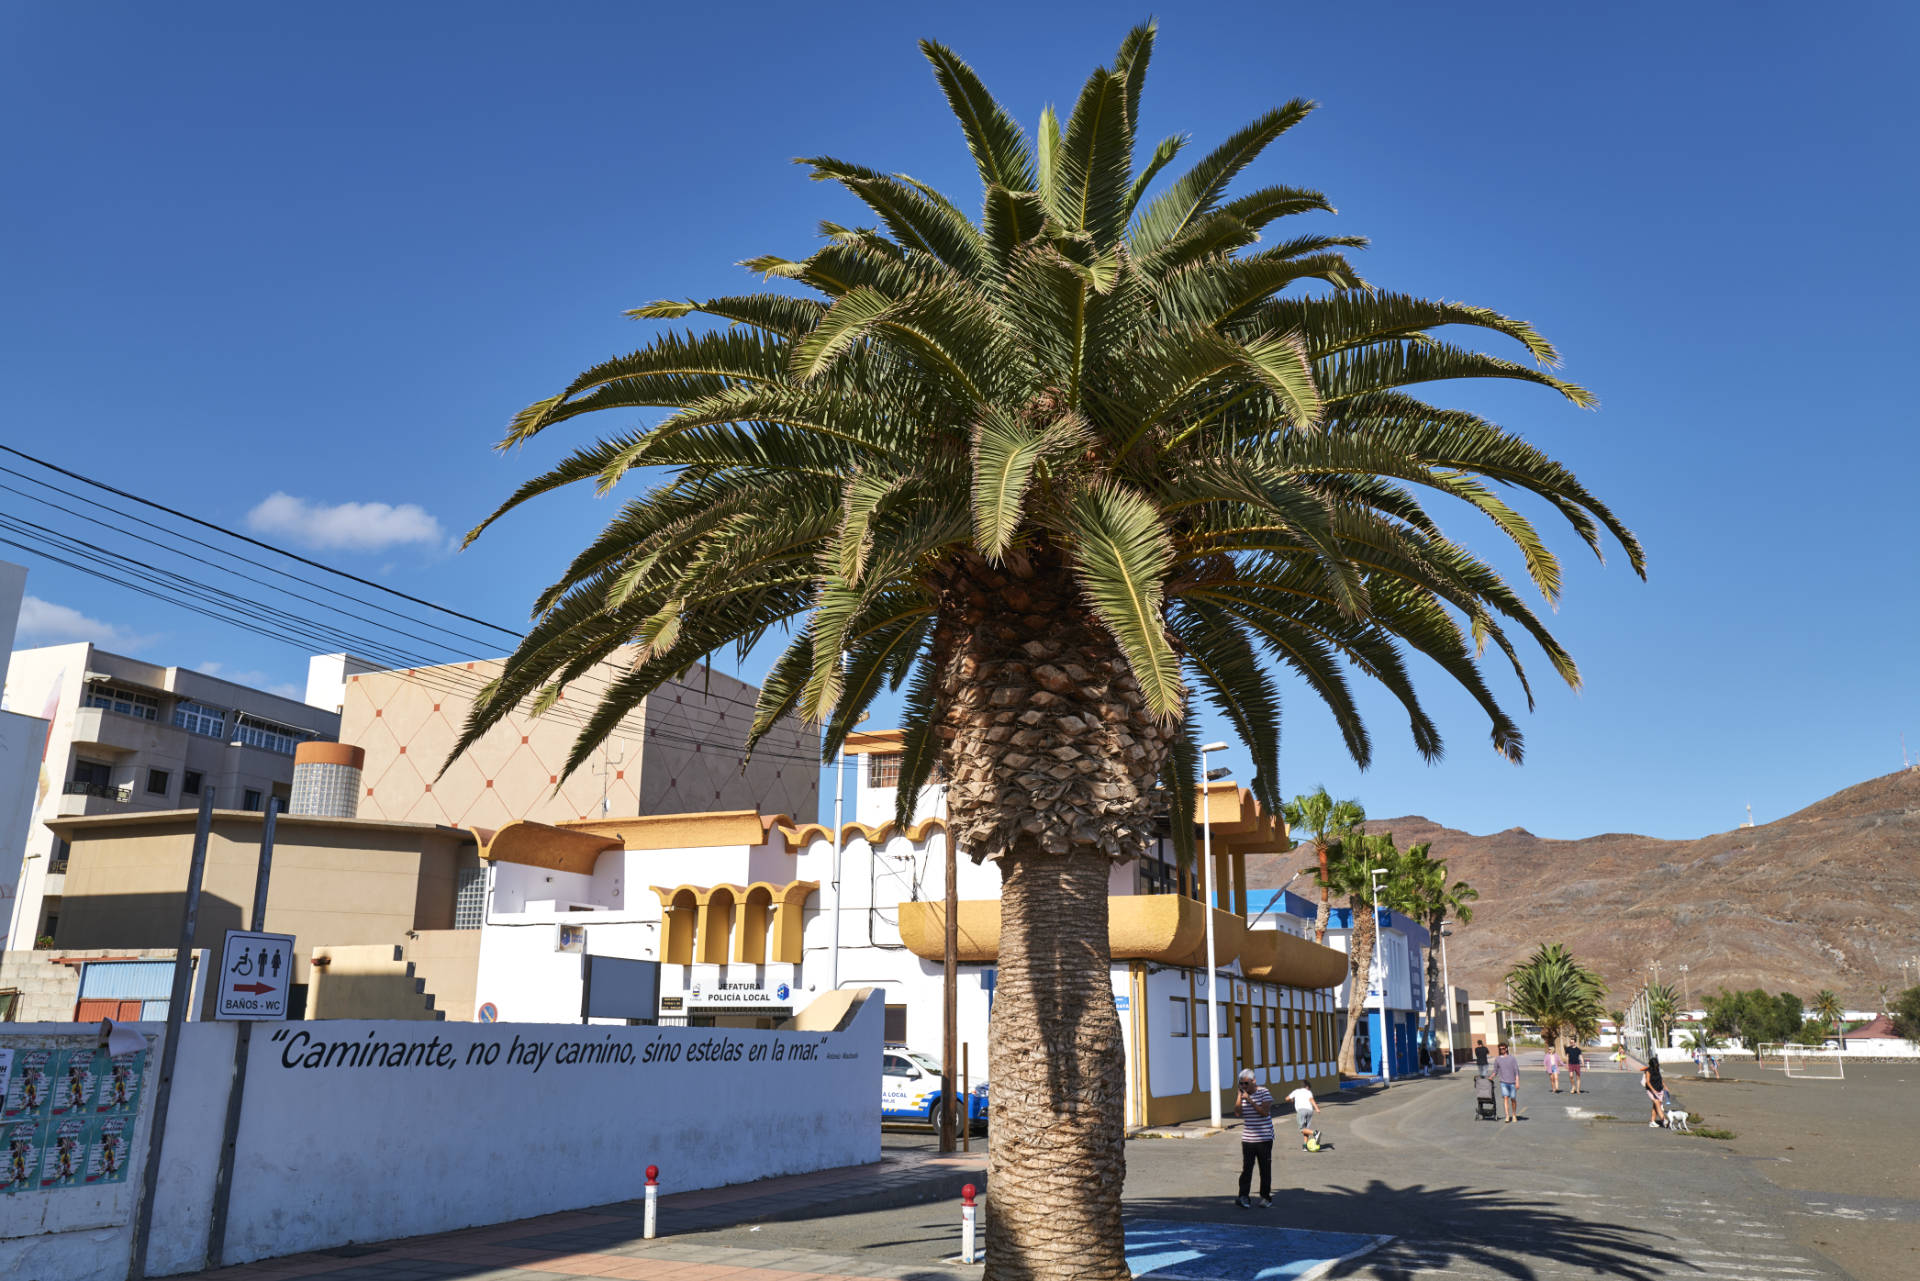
(1051, 760)
(1056, 1162)
(1326, 899)
(1359, 975)
(1436, 999)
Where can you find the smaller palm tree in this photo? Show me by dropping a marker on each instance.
(1556, 993)
(1421, 881)
(1663, 1006)
(1329, 822)
(1703, 1039)
(1827, 1008)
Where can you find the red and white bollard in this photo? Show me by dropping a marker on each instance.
(966, 1224)
(653, 1201)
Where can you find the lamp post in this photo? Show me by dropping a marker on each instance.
(1213, 1005)
(1380, 972)
(1446, 991)
(1686, 989)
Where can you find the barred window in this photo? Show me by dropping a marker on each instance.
(883, 771)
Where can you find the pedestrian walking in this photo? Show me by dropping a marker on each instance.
(1256, 1140)
(1506, 1072)
(1553, 1068)
(1304, 1109)
(1480, 1057)
(1656, 1091)
(1574, 1067)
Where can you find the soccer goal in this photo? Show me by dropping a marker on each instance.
(1805, 1062)
(1768, 1054)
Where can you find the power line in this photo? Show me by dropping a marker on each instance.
(302, 632)
(279, 551)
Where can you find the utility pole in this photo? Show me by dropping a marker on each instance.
(1686, 988)
(950, 1013)
(1213, 978)
(1446, 994)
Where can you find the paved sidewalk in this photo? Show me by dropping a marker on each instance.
(606, 1241)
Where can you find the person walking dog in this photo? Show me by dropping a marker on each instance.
(1256, 1140)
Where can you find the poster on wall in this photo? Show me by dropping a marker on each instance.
(20, 1159)
(63, 1155)
(72, 1083)
(117, 1092)
(27, 1086)
(107, 1149)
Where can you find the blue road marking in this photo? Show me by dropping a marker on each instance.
(1179, 1251)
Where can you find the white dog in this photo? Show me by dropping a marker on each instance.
(1677, 1120)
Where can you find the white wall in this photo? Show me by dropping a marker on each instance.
(480, 1123)
(521, 975)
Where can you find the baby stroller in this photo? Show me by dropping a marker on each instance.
(1483, 1098)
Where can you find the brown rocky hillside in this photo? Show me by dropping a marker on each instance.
(1826, 897)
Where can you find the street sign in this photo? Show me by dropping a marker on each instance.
(489, 1012)
(255, 972)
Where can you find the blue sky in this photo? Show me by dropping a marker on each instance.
(322, 253)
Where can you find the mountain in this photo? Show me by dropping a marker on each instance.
(1828, 897)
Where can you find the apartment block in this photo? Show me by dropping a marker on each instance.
(128, 736)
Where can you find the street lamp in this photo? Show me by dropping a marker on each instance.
(1213, 1007)
(1446, 990)
(1380, 969)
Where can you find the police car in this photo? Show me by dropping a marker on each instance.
(910, 1090)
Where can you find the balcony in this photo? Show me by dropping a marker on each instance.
(115, 732)
(78, 800)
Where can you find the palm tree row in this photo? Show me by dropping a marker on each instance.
(1054, 470)
(1411, 882)
(1557, 994)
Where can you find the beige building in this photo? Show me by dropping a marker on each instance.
(365, 887)
(681, 751)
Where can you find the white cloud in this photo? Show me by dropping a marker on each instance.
(360, 527)
(44, 623)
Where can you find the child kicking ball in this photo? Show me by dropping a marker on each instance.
(1304, 1108)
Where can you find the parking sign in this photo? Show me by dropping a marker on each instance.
(255, 972)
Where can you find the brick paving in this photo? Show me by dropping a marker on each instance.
(606, 1241)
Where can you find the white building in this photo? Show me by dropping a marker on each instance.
(740, 909)
(22, 739)
(128, 736)
(1396, 992)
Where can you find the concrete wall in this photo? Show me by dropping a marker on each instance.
(366, 981)
(335, 881)
(361, 1131)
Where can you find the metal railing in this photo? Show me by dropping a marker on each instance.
(105, 791)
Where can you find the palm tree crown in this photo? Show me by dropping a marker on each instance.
(1127, 398)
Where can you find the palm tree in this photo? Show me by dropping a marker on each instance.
(1421, 881)
(1053, 471)
(1558, 994)
(1827, 1008)
(1350, 867)
(1328, 821)
(1663, 1005)
(1703, 1038)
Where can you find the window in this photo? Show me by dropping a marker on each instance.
(253, 799)
(267, 737)
(124, 701)
(1156, 877)
(190, 783)
(470, 899)
(1178, 1024)
(896, 1065)
(200, 719)
(157, 781)
(91, 772)
(883, 771)
(1200, 1023)
(895, 1030)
